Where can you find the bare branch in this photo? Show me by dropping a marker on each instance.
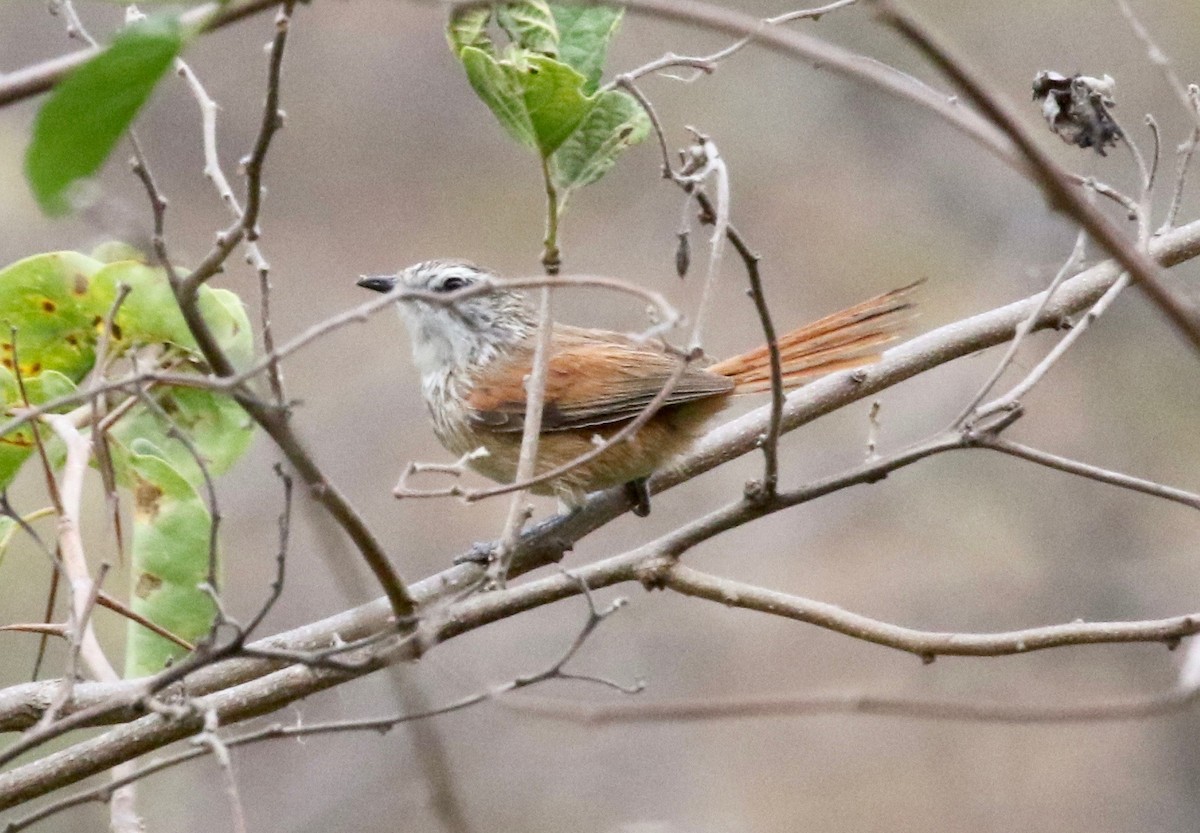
(812, 705)
(1039, 372)
(70, 541)
(535, 385)
(1159, 59)
(1186, 151)
(1073, 263)
(207, 741)
(1053, 181)
(535, 400)
(210, 740)
(925, 644)
(810, 14)
(1124, 481)
(39, 78)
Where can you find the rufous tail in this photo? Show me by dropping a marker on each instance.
(851, 338)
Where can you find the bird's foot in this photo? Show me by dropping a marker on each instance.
(481, 553)
(639, 496)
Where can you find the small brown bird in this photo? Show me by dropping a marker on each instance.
(475, 353)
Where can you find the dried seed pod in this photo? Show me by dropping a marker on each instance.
(683, 254)
(1077, 108)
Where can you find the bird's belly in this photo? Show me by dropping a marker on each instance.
(496, 454)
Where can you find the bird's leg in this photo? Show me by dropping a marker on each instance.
(639, 496)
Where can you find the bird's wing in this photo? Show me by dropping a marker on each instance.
(594, 378)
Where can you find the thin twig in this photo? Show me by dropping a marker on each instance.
(535, 399)
(873, 431)
(212, 159)
(273, 419)
(1072, 264)
(1047, 174)
(285, 527)
(708, 63)
(1022, 388)
(75, 28)
(254, 255)
(853, 703)
(1186, 151)
(1124, 481)
(210, 740)
(39, 78)
(704, 161)
(1158, 58)
(810, 14)
(750, 261)
(70, 541)
(535, 383)
(214, 508)
(626, 432)
(99, 405)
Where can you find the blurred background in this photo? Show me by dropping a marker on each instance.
(387, 158)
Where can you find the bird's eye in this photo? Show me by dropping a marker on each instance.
(452, 284)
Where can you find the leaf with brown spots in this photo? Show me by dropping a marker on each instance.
(53, 323)
(169, 558)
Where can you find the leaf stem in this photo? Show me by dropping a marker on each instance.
(550, 254)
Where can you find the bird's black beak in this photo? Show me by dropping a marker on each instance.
(379, 283)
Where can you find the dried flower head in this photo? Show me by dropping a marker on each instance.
(1077, 108)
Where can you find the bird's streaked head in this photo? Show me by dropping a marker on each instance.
(457, 332)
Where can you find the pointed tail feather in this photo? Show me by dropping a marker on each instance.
(851, 338)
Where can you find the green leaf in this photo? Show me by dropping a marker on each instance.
(544, 89)
(554, 100)
(226, 317)
(537, 99)
(500, 92)
(171, 529)
(468, 27)
(150, 315)
(583, 36)
(614, 123)
(530, 25)
(48, 385)
(87, 113)
(58, 303)
(47, 299)
(216, 426)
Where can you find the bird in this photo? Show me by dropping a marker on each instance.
(474, 351)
